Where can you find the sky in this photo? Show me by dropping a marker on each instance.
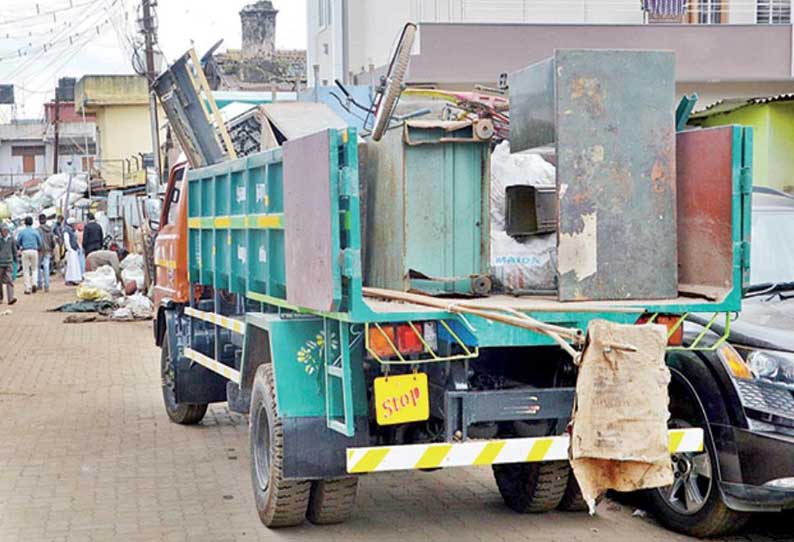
(42, 40)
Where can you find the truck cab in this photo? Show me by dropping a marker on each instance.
(170, 247)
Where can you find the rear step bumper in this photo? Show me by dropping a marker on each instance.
(485, 452)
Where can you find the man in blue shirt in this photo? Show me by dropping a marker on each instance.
(29, 242)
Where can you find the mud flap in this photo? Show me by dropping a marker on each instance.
(194, 384)
(304, 459)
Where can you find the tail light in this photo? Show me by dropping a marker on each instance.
(673, 323)
(381, 341)
(407, 339)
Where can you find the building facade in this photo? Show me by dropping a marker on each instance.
(120, 104)
(27, 146)
(466, 42)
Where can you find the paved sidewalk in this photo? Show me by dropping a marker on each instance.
(88, 454)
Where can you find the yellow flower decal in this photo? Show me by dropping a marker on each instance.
(312, 352)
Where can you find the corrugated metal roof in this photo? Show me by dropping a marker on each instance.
(732, 104)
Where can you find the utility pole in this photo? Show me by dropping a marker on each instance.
(149, 32)
(56, 139)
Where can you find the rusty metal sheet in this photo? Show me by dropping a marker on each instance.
(615, 142)
(311, 226)
(705, 215)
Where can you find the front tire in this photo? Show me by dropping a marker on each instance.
(532, 488)
(279, 502)
(181, 413)
(693, 504)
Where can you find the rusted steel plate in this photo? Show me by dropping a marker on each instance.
(705, 199)
(311, 235)
(615, 174)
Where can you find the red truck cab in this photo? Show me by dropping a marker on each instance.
(170, 247)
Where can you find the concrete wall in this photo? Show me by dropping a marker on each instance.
(781, 146)
(122, 131)
(527, 11)
(373, 25)
(466, 53)
(95, 90)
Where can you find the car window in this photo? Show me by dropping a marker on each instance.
(176, 195)
(772, 249)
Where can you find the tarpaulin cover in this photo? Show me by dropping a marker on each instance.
(620, 438)
(86, 306)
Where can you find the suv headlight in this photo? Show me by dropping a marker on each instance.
(771, 365)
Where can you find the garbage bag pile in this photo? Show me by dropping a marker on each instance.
(57, 191)
(102, 288)
(132, 271)
(530, 263)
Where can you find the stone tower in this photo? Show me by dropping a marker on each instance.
(259, 30)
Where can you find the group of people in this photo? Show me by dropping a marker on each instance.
(37, 248)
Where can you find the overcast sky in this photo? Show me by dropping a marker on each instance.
(35, 73)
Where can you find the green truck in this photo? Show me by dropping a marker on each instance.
(337, 291)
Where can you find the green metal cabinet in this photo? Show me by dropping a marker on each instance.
(427, 209)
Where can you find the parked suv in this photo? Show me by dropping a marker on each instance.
(742, 394)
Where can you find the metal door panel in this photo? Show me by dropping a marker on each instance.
(705, 163)
(311, 222)
(616, 175)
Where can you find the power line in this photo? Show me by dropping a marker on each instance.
(52, 12)
(71, 38)
(32, 63)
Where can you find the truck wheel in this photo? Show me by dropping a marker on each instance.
(572, 499)
(332, 501)
(532, 487)
(280, 502)
(181, 413)
(692, 504)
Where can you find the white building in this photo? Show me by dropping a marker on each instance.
(27, 148)
(464, 42)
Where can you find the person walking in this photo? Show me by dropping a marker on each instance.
(73, 274)
(8, 258)
(46, 252)
(92, 236)
(57, 236)
(29, 242)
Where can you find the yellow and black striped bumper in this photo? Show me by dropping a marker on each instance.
(485, 452)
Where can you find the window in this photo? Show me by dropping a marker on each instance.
(709, 11)
(773, 12)
(323, 13)
(173, 205)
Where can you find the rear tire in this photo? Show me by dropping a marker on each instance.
(532, 488)
(572, 499)
(279, 502)
(332, 501)
(181, 413)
